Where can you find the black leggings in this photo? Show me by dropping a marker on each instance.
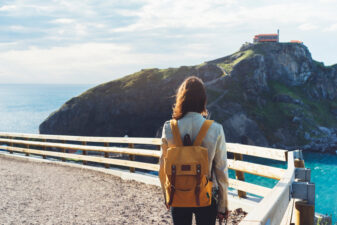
(203, 215)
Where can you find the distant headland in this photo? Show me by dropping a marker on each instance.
(267, 94)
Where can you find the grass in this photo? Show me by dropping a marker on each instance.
(138, 80)
(142, 77)
(228, 66)
(274, 115)
(280, 88)
(319, 110)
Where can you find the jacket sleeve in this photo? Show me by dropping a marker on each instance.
(221, 171)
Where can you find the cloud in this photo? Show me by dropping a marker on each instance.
(174, 14)
(328, 1)
(62, 64)
(17, 28)
(79, 63)
(331, 28)
(67, 40)
(307, 27)
(63, 21)
(216, 14)
(7, 8)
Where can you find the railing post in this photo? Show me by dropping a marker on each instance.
(299, 163)
(304, 210)
(45, 149)
(11, 152)
(132, 158)
(240, 175)
(27, 146)
(304, 213)
(106, 155)
(84, 152)
(63, 151)
(159, 148)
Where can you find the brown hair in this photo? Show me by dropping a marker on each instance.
(191, 97)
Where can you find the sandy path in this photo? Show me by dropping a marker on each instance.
(38, 193)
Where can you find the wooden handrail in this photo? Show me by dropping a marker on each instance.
(249, 187)
(118, 162)
(273, 207)
(270, 210)
(123, 140)
(262, 152)
(256, 169)
(134, 151)
(247, 167)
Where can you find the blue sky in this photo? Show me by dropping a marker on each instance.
(82, 41)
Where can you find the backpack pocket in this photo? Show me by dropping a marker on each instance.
(187, 198)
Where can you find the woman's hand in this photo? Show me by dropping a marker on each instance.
(223, 216)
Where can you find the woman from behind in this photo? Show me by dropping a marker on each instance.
(188, 126)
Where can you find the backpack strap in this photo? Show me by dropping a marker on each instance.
(173, 183)
(176, 133)
(197, 188)
(202, 132)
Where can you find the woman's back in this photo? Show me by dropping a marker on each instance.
(188, 111)
(191, 124)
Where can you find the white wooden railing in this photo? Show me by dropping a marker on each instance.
(275, 205)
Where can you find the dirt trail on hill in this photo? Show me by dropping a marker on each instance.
(39, 193)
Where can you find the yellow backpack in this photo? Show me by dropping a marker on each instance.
(186, 170)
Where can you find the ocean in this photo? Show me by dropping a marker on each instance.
(24, 106)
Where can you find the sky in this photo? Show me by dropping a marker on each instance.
(94, 41)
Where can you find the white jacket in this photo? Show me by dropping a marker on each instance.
(214, 142)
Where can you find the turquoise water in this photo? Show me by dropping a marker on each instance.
(323, 174)
(23, 107)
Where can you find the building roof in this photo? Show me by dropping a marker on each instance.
(265, 35)
(296, 41)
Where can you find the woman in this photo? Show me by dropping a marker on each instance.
(188, 110)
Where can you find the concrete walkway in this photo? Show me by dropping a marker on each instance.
(39, 193)
(55, 193)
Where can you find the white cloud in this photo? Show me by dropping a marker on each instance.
(307, 27)
(59, 64)
(175, 14)
(17, 28)
(331, 28)
(218, 14)
(63, 21)
(81, 29)
(7, 8)
(328, 1)
(78, 63)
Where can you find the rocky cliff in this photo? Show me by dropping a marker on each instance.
(270, 94)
